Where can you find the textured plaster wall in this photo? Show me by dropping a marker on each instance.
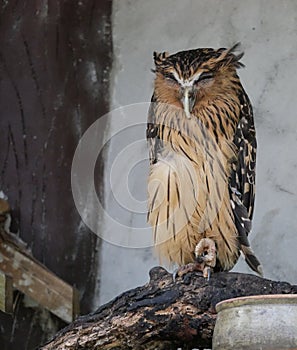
(268, 33)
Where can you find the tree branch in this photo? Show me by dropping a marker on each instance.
(163, 314)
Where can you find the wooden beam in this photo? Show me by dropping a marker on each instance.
(35, 280)
(6, 293)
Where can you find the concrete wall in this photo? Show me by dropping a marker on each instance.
(268, 32)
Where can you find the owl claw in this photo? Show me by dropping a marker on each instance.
(207, 272)
(174, 275)
(183, 270)
(205, 253)
(205, 260)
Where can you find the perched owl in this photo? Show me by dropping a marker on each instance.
(201, 186)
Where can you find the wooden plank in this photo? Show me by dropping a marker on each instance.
(35, 280)
(6, 293)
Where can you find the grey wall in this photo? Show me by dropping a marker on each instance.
(268, 32)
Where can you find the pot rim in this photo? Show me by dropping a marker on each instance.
(256, 300)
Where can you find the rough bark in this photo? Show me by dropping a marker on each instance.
(163, 314)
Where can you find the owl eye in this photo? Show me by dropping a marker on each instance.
(170, 79)
(205, 76)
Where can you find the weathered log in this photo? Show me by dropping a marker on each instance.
(163, 314)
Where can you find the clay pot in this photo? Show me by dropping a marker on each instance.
(256, 323)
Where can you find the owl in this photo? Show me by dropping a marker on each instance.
(202, 145)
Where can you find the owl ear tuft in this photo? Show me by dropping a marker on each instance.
(159, 58)
(235, 58)
(229, 57)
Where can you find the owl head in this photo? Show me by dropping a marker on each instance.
(188, 78)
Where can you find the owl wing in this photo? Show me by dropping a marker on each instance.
(152, 133)
(242, 180)
(245, 171)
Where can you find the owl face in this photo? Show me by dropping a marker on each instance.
(187, 77)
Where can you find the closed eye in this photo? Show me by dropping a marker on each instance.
(170, 79)
(204, 79)
(205, 76)
(169, 76)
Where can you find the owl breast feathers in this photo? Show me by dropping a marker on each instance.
(201, 134)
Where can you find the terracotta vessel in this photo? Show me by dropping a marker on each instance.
(256, 323)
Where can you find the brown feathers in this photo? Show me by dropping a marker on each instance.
(202, 152)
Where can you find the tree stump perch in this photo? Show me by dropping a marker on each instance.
(163, 314)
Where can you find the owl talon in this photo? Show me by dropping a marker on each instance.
(207, 272)
(205, 253)
(174, 275)
(183, 270)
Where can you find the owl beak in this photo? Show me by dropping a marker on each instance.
(188, 100)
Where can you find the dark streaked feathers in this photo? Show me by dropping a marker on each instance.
(218, 151)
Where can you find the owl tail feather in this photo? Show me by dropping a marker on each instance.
(251, 259)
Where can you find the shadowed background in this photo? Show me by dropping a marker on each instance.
(55, 62)
(54, 69)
